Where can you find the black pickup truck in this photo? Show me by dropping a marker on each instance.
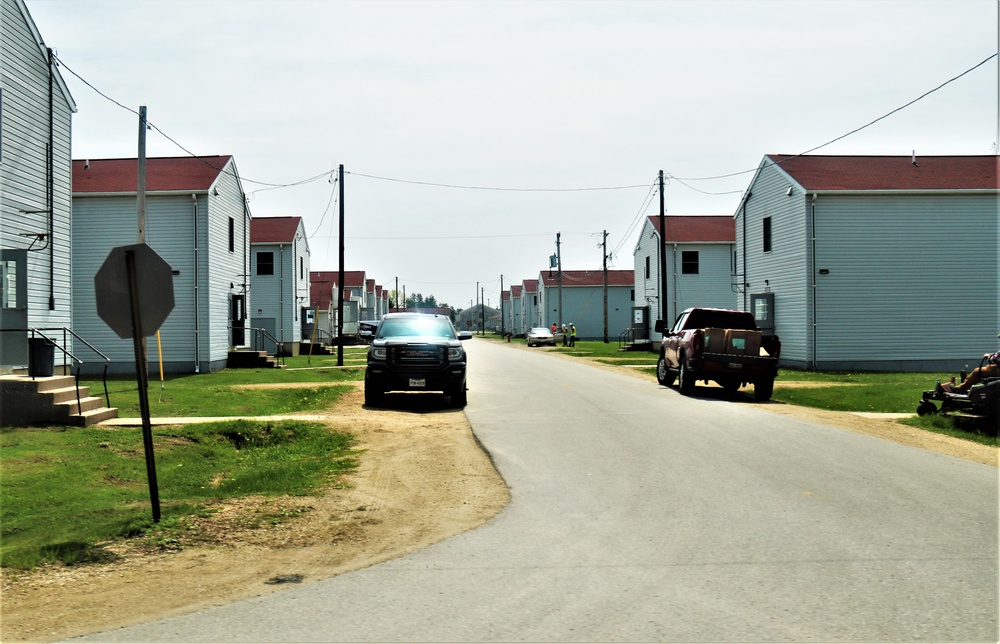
(720, 345)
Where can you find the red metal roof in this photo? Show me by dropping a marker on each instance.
(515, 290)
(588, 278)
(530, 286)
(273, 230)
(162, 174)
(891, 172)
(354, 279)
(321, 288)
(696, 228)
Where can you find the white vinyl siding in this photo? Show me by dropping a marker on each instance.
(195, 337)
(783, 270)
(280, 296)
(24, 86)
(711, 286)
(886, 295)
(879, 281)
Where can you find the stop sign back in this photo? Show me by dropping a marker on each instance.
(154, 290)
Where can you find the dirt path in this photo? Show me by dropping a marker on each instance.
(422, 479)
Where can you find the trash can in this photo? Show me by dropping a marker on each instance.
(41, 357)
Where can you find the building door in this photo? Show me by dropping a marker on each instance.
(264, 338)
(13, 308)
(237, 319)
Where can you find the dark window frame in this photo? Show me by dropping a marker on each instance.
(268, 264)
(232, 235)
(767, 235)
(690, 262)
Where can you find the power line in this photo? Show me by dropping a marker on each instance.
(854, 131)
(495, 188)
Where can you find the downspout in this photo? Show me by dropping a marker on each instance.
(281, 295)
(197, 297)
(674, 296)
(744, 253)
(246, 263)
(50, 195)
(812, 271)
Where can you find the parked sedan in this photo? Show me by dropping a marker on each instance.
(540, 335)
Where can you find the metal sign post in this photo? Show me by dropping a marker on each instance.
(127, 275)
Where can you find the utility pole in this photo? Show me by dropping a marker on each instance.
(140, 192)
(397, 294)
(340, 276)
(663, 256)
(559, 273)
(605, 254)
(477, 301)
(482, 309)
(503, 327)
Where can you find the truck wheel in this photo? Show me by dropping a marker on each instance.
(460, 398)
(664, 376)
(374, 397)
(685, 380)
(762, 389)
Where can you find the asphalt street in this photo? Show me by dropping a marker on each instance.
(637, 514)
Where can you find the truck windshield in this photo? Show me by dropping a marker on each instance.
(707, 319)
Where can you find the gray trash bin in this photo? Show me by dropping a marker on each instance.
(41, 357)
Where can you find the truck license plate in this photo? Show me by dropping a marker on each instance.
(735, 365)
(418, 382)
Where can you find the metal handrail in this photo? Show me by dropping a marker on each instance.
(77, 361)
(625, 338)
(107, 361)
(264, 333)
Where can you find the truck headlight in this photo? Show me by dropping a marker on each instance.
(378, 353)
(455, 353)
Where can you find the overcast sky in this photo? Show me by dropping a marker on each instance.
(532, 102)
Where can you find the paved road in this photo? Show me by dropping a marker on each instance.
(640, 515)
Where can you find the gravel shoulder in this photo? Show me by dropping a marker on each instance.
(423, 478)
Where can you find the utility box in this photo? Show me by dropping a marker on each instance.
(640, 323)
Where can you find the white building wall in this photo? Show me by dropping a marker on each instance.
(223, 201)
(909, 282)
(201, 293)
(784, 269)
(712, 286)
(24, 110)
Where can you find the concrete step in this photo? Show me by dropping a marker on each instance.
(65, 394)
(93, 416)
(72, 408)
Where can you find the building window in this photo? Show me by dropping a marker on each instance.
(689, 262)
(302, 263)
(631, 295)
(767, 234)
(647, 266)
(265, 263)
(232, 235)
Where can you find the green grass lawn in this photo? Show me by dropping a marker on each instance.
(230, 392)
(66, 490)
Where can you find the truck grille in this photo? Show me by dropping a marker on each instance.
(417, 356)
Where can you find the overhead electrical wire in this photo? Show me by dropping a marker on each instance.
(854, 131)
(495, 188)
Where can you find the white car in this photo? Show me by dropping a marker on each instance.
(540, 335)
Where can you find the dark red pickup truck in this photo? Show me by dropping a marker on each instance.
(721, 345)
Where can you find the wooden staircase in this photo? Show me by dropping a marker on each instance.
(49, 400)
(252, 360)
